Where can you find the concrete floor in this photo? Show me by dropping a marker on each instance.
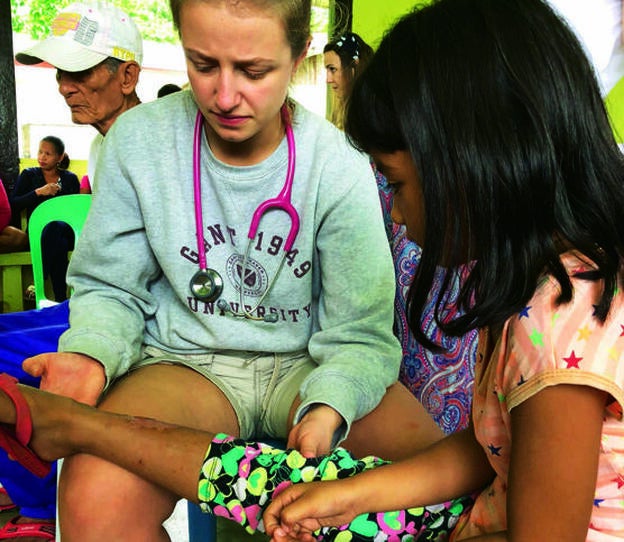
(176, 525)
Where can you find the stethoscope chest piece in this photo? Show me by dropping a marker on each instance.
(206, 285)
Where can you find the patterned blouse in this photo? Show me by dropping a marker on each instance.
(441, 382)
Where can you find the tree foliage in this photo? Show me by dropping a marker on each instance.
(33, 17)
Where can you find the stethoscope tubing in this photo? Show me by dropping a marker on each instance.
(199, 221)
(283, 202)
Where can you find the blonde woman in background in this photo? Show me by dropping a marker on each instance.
(345, 57)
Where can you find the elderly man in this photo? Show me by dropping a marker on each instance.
(97, 52)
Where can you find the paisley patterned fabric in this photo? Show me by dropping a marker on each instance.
(239, 478)
(441, 382)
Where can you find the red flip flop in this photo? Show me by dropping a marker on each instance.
(15, 440)
(45, 530)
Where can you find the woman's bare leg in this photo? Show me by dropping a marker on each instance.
(13, 240)
(396, 429)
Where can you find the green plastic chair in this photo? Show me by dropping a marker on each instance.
(71, 209)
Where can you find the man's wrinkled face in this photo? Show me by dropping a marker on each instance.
(94, 96)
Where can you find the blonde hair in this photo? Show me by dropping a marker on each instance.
(295, 14)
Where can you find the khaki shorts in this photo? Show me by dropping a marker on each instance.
(260, 386)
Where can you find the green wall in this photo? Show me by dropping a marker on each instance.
(371, 18)
(79, 167)
(615, 107)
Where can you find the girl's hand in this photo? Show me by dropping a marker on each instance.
(301, 509)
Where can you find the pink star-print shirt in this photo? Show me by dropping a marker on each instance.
(545, 345)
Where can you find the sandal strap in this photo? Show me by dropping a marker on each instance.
(23, 422)
(45, 530)
(15, 440)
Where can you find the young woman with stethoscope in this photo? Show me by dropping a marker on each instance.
(234, 276)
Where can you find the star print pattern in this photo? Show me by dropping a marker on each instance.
(546, 344)
(572, 361)
(537, 338)
(584, 333)
(524, 313)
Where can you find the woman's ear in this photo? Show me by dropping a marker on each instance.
(303, 54)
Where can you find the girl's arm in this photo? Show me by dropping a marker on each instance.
(554, 463)
(452, 467)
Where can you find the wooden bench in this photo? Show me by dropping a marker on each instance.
(11, 268)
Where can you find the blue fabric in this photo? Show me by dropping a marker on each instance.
(25, 334)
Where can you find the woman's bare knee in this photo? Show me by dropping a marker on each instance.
(100, 501)
(397, 428)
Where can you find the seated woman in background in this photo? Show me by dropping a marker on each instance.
(38, 184)
(11, 239)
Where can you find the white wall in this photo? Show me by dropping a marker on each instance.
(42, 111)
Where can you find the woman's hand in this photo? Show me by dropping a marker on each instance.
(299, 510)
(74, 375)
(313, 435)
(49, 189)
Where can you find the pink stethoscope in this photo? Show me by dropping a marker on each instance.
(207, 284)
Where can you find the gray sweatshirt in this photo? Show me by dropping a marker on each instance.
(138, 251)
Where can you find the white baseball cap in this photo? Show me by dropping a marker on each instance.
(85, 34)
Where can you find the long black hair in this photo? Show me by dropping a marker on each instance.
(501, 112)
